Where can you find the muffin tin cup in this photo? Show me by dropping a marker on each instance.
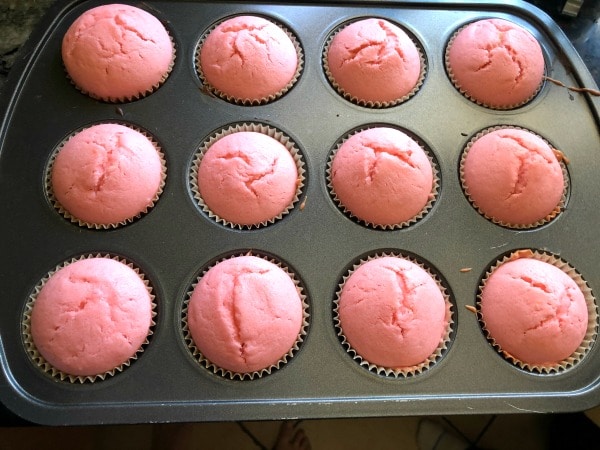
(315, 238)
(562, 160)
(197, 354)
(49, 369)
(591, 332)
(404, 372)
(102, 226)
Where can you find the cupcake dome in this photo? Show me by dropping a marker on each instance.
(533, 311)
(382, 177)
(247, 178)
(91, 317)
(106, 175)
(245, 315)
(495, 63)
(392, 313)
(117, 52)
(373, 62)
(513, 177)
(248, 59)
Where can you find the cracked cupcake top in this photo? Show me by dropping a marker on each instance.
(248, 58)
(496, 63)
(117, 52)
(247, 178)
(533, 311)
(513, 177)
(245, 314)
(373, 61)
(382, 176)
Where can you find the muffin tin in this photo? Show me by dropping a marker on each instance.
(174, 241)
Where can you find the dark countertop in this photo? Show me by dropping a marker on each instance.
(18, 19)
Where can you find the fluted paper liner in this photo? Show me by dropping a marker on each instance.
(101, 226)
(258, 128)
(371, 103)
(550, 217)
(40, 361)
(225, 373)
(250, 101)
(592, 326)
(426, 208)
(405, 372)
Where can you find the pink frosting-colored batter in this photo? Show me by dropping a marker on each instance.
(247, 178)
(91, 316)
(248, 58)
(382, 176)
(496, 62)
(117, 52)
(392, 313)
(245, 314)
(106, 174)
(513, 176)
(534, 311)
(374, 60)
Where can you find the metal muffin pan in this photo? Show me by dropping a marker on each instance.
(176, 239)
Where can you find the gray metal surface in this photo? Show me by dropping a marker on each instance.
(175, 240)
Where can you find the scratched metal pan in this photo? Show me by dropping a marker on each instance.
(175, 240)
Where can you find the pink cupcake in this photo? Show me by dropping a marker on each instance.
(88, 319)
(394, 316)
(249, 60)
(245, 317)
(513, 177)
(247, 176)
(537, 311)
(383, 178)
(106, 176)
(117, 53)
(374, 63)
(495, 63)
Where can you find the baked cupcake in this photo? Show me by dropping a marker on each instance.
(382, 177)
(247, 176)
(106, 175)
(246, 316)
(513, 177)
(117, 53)
(249, 60)
(537, 311)
(393, 315)
(374, 63)
(495, 63)
(88, 319)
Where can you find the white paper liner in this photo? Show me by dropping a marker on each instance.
(250, 101)
(432, 197)
(103, 226)
(136, 96)
(560, 207)
(406, 372)
(371, 103)
(590, 300)
(40, 361)
(475, 100)
(258, 128)
(225, 373)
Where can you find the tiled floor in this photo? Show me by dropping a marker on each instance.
(521, 431)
